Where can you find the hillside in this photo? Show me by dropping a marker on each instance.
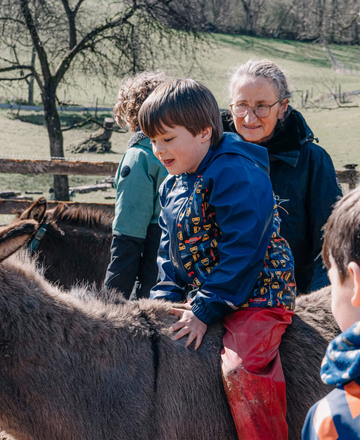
(309, 69)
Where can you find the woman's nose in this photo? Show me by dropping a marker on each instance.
(250, 117)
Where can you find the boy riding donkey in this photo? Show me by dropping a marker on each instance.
(221, 247)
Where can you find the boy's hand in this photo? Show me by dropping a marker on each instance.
(188, 324)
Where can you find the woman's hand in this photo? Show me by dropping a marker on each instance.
(188, 324)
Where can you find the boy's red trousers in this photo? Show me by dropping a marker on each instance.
(252, 373)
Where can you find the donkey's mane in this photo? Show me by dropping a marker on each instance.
(79, 215)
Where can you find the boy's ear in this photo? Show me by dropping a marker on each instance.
(354, 270)
(206, 134)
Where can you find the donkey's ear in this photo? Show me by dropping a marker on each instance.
(36, 211)
(14, 236)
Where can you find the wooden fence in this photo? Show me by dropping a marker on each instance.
(348, 177)
(54, 166)
(58, 166)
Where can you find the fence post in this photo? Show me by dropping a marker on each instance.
(353, 176)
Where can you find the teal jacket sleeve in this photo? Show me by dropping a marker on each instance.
(137, 181)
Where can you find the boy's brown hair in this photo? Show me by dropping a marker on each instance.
(183, 102)
(133, 92)
(342, 233)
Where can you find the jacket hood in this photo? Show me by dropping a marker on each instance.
(289, 136)
(139, 138)
(231, 143)
(341, 363)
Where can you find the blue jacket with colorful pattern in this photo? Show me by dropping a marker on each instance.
(220, 235)
(337, 415)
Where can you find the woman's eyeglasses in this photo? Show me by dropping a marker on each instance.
(242, 109)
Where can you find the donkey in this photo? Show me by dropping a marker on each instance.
(73, 244)
(75, 369)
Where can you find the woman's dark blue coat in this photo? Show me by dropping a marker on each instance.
(306, 188)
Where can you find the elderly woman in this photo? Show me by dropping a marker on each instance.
(302, 173)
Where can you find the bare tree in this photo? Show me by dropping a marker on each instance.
(252, 9)
(102, 36)
(325, 21)
(330, 21)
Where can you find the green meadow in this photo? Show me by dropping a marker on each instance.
(312, 79)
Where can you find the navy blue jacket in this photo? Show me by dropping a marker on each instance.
(220, 220)
(306, 187)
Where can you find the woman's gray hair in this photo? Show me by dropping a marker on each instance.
(261, 69)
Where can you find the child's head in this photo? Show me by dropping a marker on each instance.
(181, 102)
(132, 94)
(341, 253)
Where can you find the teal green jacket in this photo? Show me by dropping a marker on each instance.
(137, 182)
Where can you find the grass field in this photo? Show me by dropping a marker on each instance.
(309, 70)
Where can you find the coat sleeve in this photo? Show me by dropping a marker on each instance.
(135, 193)
(324, 190)
(242, 197)
(170, 287)
(124, 264)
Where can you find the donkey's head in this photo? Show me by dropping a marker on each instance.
(21, 230)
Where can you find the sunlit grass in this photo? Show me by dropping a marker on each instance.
(308, 67)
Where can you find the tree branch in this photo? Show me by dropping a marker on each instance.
(21, 78)
(17, 67)
(22, 67)
(354, 18)
(24, 4)
(78, 6)
(66, 61)
(13, 20)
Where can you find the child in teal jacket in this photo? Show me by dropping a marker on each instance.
(136, 233)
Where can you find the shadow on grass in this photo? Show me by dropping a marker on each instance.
(67, 119)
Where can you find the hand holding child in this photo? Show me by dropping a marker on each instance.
(188, 324)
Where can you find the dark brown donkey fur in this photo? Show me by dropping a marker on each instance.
(76, 245)
(87, 370)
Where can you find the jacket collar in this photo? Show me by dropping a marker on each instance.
(289, 136)
(139, 138)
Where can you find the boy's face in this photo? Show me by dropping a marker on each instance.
(179, 151)
(344, 305)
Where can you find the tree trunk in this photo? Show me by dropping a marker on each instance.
(31, 91)
(320, 19)
(61, 187)
(356, 36)
(52, 121)
(31, 80)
